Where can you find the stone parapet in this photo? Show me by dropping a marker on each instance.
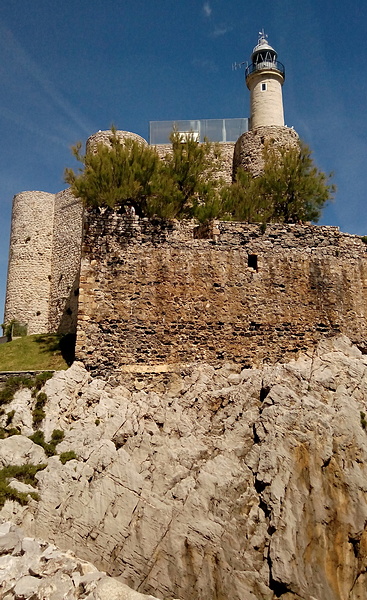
(155, 292)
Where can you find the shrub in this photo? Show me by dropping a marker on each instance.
(12, 385)
(290, 189)
(132, 174)
(38, 414)
(25, 474)
(66, 456)
(49, 447)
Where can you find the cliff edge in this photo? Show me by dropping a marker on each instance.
(211, 482)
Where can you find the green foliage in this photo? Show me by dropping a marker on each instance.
(38, 413)
(33, 352)
(132, 174)
(66, 456)
(23, 473)
(187, 177)
(49, 447)
(12, 385)
(290, 189)
(7, 431)
(111, 176)
(364, 239)
(242, 200)
(14, 329)
(363, 420)
(185, 184)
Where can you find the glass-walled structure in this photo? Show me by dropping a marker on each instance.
(215, 130)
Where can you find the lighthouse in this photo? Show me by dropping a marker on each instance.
(264, 78)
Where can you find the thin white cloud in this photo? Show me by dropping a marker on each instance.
(221, 30)
(28, 64)
(207, 9)
(35, 130)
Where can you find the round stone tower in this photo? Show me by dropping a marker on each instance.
(264, 78)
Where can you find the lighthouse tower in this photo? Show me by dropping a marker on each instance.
(264, 78)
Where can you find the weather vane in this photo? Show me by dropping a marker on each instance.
(262, 35)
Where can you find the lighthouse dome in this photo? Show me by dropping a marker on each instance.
(263, 52)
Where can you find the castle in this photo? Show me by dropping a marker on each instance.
(139, 291)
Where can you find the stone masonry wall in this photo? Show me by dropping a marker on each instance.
(65, 263)
(248, 151)
(29, 270)
(44, 262)
(154, 293)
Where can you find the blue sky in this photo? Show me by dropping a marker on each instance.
(71, 68)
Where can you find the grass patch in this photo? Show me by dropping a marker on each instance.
(37, 352)
(49, 447)
(64, 457)
(23, 473)
(13, 384)
(38, 413)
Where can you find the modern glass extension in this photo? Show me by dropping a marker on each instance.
(215, 130)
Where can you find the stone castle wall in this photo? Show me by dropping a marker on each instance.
(65, 263)
(154, 293)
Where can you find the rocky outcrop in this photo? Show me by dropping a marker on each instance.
(33, 569)
(212, 483)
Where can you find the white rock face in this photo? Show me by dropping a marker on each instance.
(33, 569)
(215, 483)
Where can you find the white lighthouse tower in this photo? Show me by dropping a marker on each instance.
(264, 78)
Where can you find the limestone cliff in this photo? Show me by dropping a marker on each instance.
(209, 483)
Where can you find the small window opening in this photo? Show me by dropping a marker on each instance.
(264, 87)
(252, 261)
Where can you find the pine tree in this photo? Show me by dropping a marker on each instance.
(112, 176)
(290, 189)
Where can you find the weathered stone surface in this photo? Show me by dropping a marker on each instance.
(103, 137)
(19, 450)
(249, 148)
(44, 261)
(35, 574)
(156, 293)
(220, 482)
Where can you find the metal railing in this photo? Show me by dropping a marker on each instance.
(266, 64)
